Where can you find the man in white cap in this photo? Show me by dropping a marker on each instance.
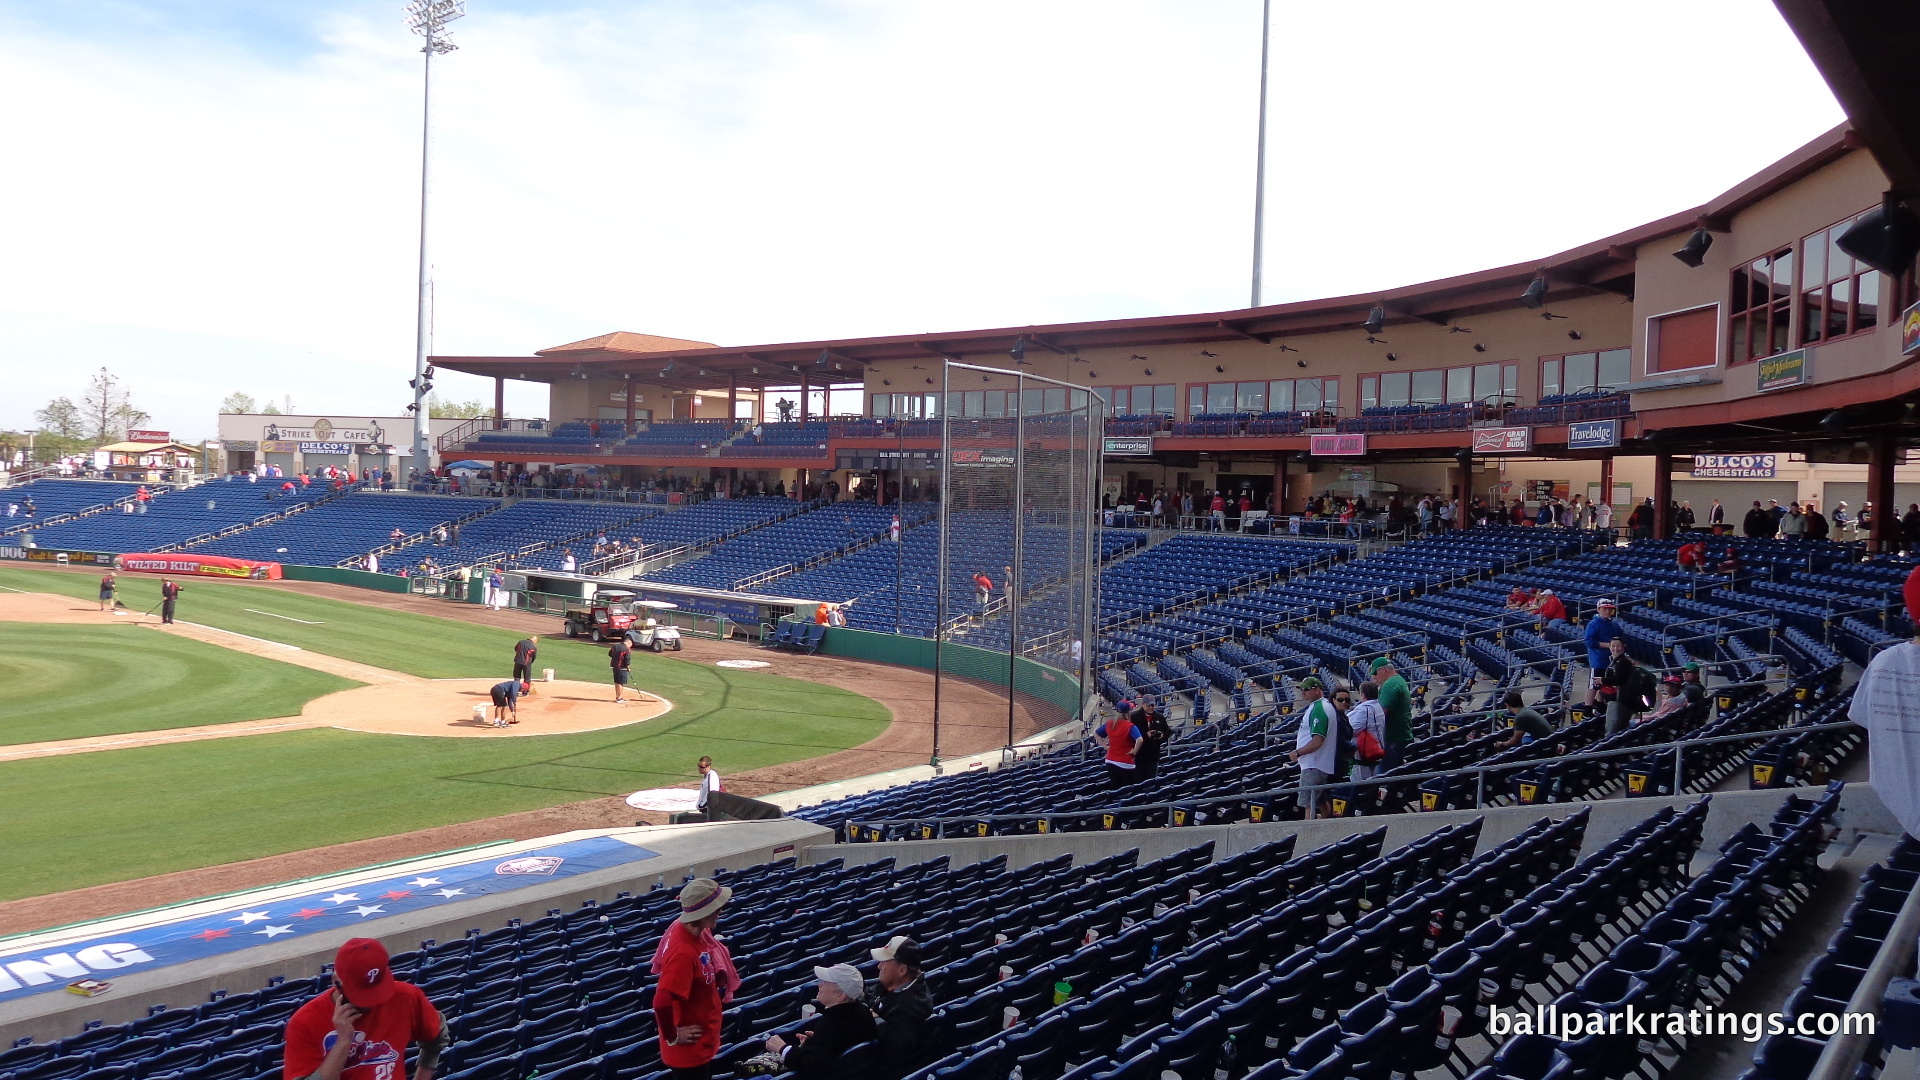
(696, 979)
(1601, 629)
(844, 1021)
(903, 1006)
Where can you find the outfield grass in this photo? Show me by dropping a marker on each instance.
(73, 682)
(85, 819)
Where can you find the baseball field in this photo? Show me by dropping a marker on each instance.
(89, 796)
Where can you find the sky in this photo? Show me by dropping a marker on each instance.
(209, 196)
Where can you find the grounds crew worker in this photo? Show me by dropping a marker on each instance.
(106, 590)
(359, 1029)
(506, 701)
(620, 658)
(524, 652)
(169, 592)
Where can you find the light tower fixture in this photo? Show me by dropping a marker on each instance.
(429, 19)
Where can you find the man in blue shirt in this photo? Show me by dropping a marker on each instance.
(1601, 629)
(506, 703)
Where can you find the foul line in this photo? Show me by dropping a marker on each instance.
(289, 618)
(236, 633)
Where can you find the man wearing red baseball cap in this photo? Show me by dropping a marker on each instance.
(359, 1030)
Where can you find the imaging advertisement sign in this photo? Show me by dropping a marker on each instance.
(1593, 434)
(1735, 466)
(998, 458)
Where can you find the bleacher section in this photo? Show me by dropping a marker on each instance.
(174, 517)
(805, 539)
(783, 440)
(1347, 960)
(533, 532)
(58, 498)
(982, 543)
(344, 528)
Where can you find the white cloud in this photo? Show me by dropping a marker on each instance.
(207, 213)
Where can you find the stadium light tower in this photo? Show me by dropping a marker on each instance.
(1260, 153)
(429, 19)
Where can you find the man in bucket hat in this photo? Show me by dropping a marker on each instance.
(359, 1029)
(696, 979)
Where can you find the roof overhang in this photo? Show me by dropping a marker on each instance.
(1865, 49)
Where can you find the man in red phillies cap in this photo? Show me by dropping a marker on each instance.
(359, 1030)
(1886, 701)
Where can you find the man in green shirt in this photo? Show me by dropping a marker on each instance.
(1396, 700)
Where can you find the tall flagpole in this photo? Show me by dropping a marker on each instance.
(1260, 155)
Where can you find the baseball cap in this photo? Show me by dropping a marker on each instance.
(1380, 662)
(846, 977)
(361, 968)
(1311, 682)
(702, 897)
(1691, 665)
(1546, 592)
(1605, 603)
(901, 948)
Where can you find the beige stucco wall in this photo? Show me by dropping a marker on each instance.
(1664, 284)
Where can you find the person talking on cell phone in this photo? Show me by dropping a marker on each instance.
(361, 1027)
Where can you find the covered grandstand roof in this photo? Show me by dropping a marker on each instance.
(1602, 266)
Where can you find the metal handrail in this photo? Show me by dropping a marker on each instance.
(1478, 771)
(1843, 1052)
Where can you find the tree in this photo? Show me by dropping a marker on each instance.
(238, 402)
(461, 410)
(269, 409)
(106, 410)
(61, 417)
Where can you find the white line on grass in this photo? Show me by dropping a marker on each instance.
(236, 633)
(289, 618)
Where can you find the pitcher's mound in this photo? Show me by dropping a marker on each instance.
(48, 608)
(445, 707)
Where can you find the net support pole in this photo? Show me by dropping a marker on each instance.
(1015, 572)
(940, 601)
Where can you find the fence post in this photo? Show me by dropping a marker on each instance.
(1679, 772)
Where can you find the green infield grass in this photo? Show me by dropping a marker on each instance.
(74, 682)
(85, 819)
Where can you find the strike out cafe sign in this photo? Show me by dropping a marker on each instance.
(1735, 466)
(324, 431)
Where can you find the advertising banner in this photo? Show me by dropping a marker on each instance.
(270, 446)
(1593, 434)
(1502, 440)
(984, 459)
(1125, 446)
(54, 555)
(326, 448)
(203, 565)
(146, 435)
(1336, 445)
(1735, 466)
(1910, 330)
(1784, 370)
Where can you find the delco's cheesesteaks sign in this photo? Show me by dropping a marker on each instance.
(1735, 466)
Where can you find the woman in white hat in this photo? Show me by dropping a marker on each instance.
(696, 979)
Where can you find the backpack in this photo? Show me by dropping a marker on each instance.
(1343, 753)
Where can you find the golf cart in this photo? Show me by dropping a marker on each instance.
(655, 635)
(603, 618)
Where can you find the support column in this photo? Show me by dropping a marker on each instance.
(1279, 507)
(1606, 479)
(1662, 494)
(733, 397)
(1463, 492)
(806, 391)
(630, 413)
(1886, 516)
(499, 401)
(880, 494)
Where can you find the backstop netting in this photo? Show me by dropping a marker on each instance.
(1019, 528)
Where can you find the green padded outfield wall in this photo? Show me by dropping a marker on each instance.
(339, 576)
(1046, 684)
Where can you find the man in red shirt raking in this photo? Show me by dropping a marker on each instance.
(359, 1030)
(696, 978)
